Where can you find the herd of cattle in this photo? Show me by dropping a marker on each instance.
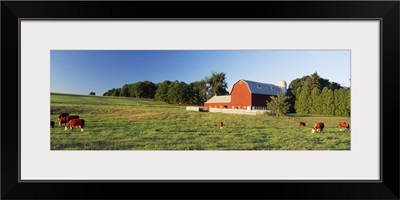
(70, 121)
(319, 127)
(73, 121)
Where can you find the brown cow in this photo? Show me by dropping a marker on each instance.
(344, 126)
(66, 119)
(62, 115)
(80, 123)
(51, 123)
(221, 125)
(303, 124)
(318, 127)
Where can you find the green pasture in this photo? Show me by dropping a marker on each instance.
(120, 123)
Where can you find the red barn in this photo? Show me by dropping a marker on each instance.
(248, 95)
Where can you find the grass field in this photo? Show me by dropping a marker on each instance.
(118, 123)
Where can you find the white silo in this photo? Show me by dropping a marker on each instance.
(282, 84)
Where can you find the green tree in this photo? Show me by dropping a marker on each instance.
(341, 102)
(302, 104)
(92, 93)
(125, 91)
(109, 92)
(178, 92)
(329, 102)
(149, 89)
(198, 92)
(313, 81)
(138, 90)
(291, 100)
(279, 105)
(296, 84)
(315, 103)
(334, 86)
(348, 105)
(322, 99)
(217, 84)
(319, 104)
(117, 92)
(162, 91)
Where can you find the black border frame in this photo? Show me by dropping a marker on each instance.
(386, 11)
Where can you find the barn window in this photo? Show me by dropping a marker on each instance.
(258, 86)
(273, 88)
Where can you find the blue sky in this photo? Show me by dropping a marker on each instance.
(83, 71)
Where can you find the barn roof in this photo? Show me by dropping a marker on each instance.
(262, 88)
(220, 99)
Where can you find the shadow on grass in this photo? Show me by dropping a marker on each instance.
(309, 115)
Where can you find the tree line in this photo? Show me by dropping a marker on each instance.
(194, 93)
(313, 95)
(310, 94)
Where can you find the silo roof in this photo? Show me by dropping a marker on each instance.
(262, 88)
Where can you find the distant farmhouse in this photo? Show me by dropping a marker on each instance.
(247, 95)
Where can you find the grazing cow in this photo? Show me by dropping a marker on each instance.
(66, 119)
(62, 115)
(221, 125)
(344, 126)
(80, 123)
(318, 127)
(303, 124)
(51, 123)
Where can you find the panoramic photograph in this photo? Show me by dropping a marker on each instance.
(200, 100)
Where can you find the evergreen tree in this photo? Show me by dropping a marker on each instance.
(279, 105)
(348, 106)
(296, 84)
(315, 101)
(329, 101)
(341, 102)
(302, 104)
(313, 81)
(291, 100)
(322, 98)
(319, 108)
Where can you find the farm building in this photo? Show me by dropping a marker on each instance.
(247, 95)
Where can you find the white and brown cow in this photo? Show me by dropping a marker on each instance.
(75, 123)
(62, 115)
(318, 127)
(66, 119)
(343, 126)
(302, 124)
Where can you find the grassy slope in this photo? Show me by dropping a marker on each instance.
(115, 123)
